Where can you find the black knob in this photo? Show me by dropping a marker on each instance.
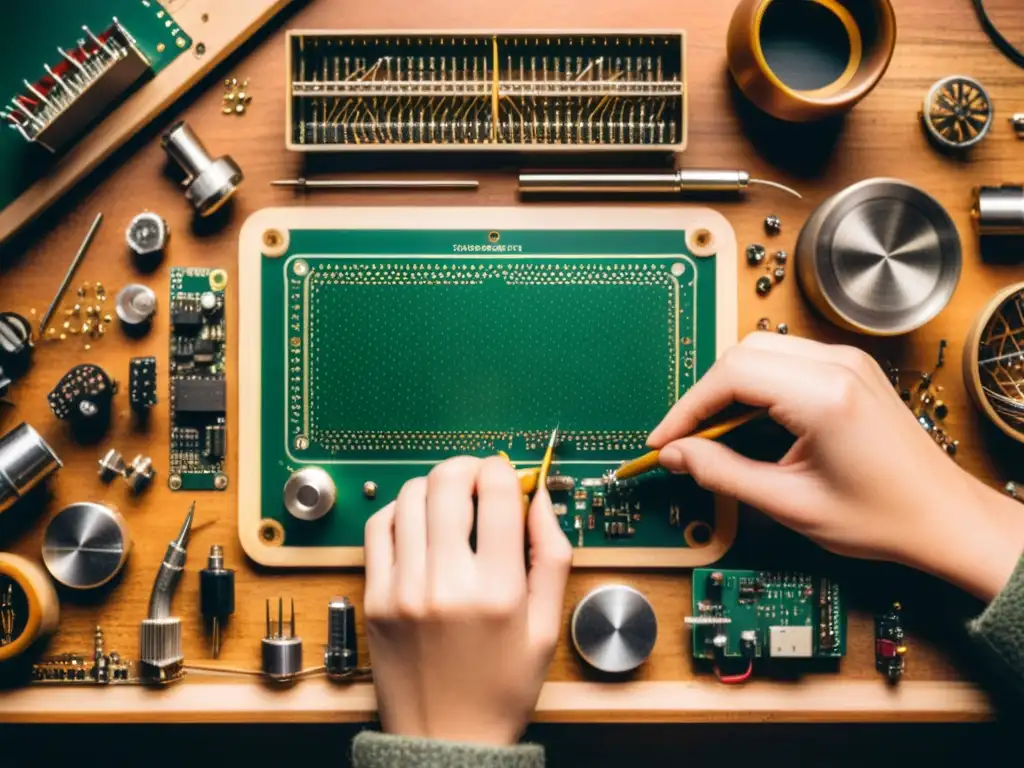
(15, 344)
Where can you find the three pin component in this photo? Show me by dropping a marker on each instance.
(281, 648)
(216, 595)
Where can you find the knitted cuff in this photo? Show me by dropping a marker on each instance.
(377, 750)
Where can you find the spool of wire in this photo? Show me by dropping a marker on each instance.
(993, 362)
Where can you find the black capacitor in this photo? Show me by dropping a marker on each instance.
(216, 594)
(341, 655)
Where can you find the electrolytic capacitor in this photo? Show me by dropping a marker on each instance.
(216, 594)
(341, 654)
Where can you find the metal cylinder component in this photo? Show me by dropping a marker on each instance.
(880, 257)
(309, 493)
(210, 182)
(86, 545)
(281, 649)
(135, 304)
(663, 183)
(999, 210)
(25, 461)
(147, 234)
(111, 465)
(171, 568)
(614, 628)
(140, 473)
(341, 655)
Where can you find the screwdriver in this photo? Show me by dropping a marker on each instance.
(216, 594)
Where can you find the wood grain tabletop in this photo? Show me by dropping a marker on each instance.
(881, 137)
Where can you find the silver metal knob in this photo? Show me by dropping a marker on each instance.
(86, 545)
(614, 628)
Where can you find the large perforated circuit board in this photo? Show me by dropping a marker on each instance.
(377, 342)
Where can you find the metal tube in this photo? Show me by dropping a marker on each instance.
(186, 149)
(999, 210)
(25, 461)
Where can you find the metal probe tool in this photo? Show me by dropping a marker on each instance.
(75, 263)
(304, 183)
(664, 183)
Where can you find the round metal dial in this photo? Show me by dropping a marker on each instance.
(614, 628)
(85, 545)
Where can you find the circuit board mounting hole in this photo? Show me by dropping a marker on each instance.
(698, 534)
(494, 236)
(271, 533)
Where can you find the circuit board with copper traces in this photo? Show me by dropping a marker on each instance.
(384, 350)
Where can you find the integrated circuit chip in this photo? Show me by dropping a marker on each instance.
(200, 396)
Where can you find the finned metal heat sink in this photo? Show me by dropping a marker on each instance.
(442, 90)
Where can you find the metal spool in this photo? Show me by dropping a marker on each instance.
(993, 361)
(86, 545)
(881, 257)
(614, 628)
(957, 112)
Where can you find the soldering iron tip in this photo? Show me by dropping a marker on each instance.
(186, 528)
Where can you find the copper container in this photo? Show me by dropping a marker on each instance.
(790, 35)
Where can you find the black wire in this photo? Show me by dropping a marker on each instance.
(1013, 54)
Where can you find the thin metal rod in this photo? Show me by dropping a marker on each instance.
(776, 185)
(48, 315)
(301, 183)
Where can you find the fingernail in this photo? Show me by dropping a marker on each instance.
(672, 458)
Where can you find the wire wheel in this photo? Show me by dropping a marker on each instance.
(957, 112)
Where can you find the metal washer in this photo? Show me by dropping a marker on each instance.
(614, 628)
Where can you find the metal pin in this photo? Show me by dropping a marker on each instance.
(71, 271)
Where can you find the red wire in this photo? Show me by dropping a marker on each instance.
(734, 679)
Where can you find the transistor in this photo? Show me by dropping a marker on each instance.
(216, 594)
(281, 653)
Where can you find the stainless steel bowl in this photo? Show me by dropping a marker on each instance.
(881, 257)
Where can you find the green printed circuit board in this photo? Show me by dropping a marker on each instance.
(781, 615)
(380, 352)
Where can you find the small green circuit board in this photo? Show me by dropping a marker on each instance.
(198, 397)
(384, 351)
(791, 615)
(29, 42)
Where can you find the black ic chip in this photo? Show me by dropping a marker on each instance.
(186, 318)
(200, 396)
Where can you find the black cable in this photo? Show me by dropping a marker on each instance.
(1008, 49)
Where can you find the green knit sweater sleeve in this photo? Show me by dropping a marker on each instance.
(1000, 628)
(380, 750)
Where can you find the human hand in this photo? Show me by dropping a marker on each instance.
(460, 641)
(863, 478)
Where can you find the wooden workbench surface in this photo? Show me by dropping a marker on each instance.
(881, 137)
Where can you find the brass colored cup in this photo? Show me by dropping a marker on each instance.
(870, 26)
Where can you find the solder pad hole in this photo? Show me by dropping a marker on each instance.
(493, 236)
(271, 533)
(218, 280)
(698, 534)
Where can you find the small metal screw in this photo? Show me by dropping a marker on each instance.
(174, 482)
(764, 324)
(755, 254)
(370, 489)
(772, 224)
(781, 257)
(764, 286)
(780, 273)
(301, 442)
(782, 328)
(220, 482)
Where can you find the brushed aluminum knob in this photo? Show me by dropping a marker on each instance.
(86, 545)
(614, 628)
